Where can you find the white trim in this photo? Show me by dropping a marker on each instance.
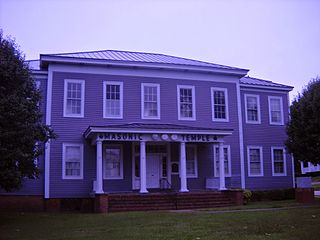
(245, 86)
(261, 161)
(195, 149)
(105, 83)
(284, 161)
(66, 82)
(47, 144)
(193, 118)
(112, 146)
(281, 108)
(169, 177)
(258, 90)
(241, 145)
(225, 90)
(64, 146)
(142, 100)
(215, 147)
(258, 108)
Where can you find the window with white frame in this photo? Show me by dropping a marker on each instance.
(255, 161)
(219, 100)
(150, 101)
(227, 161)
(73, 98)
(191, 161)
(278, 161)
(252, 103)
(113, 162)
(112, 99)
(186, 102)
(275, 110)
(72, 167)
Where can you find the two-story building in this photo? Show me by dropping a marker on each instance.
(142, 122)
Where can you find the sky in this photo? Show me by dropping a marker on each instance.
(278, 40)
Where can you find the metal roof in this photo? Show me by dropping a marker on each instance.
(260, 82)
(140, 57)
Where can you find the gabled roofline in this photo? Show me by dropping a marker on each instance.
(46, 59)
(284, 88)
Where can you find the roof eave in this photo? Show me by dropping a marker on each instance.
(58, 59)
(282, 88)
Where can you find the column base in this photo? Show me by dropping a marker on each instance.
(144, 191)
(183, 190)
(222, 189)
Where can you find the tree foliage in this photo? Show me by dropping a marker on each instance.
(21, 129)
(304, 127)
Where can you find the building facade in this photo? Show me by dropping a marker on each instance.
(141, 122)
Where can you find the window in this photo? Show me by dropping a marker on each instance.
(275, 110)
(73, 98)
(252, 103)
(186, 102)
(150, 101)
(72, 167)
(191, 161)
(278, 161)
(219, 101)
(113, 162)
(255, 161)
(227, 161)
(112, 99)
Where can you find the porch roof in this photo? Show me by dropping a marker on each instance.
(154, 128)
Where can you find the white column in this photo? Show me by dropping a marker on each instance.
(99, 180)
(183, 168)
(143, 168)
(222, 185)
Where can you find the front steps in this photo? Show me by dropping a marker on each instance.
(168, 201)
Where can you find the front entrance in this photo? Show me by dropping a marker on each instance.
(153, 170)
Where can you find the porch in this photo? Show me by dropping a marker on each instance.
(120, 202)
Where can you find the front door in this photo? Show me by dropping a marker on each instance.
(153, 170)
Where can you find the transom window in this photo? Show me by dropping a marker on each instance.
(112, 99)
(275, 110)
(278, 161)
(72, 161)
(191, 161)
(255, 161)
(219, 100)
(186, 102)
(73, 98)
(150, 105)
(113, 162)
(252, 103)
(227, 161)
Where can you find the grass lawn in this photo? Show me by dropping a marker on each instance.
(300, 223)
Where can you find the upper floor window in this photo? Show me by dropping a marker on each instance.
(186, 102)
(112, 99)
(219, 100)
(113, 162)
(72, 167)
(73, 98)
(275, 110)
(191, 161)
(255, 161)
(278, 161)
(227, 161)
(252, 103)
(150, 101)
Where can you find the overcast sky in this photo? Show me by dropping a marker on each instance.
(277, 40)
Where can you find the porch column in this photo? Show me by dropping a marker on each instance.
(99, 180)
(222, 185)
(143, 168)
(183, 168)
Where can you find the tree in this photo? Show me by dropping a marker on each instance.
(22, 132)
(304, 127)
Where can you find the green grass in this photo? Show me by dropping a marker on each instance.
(300, 223)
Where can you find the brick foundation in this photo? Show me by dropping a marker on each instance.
(101, 203)
(23, 203)
(236, 196)
(304, 195)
